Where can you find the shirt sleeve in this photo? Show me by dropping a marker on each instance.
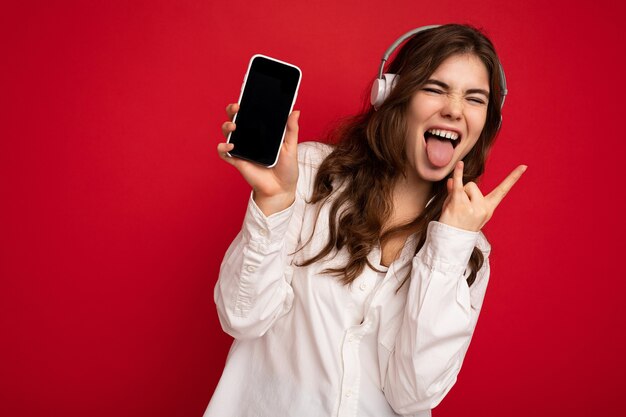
(254, 285)
(438, 321)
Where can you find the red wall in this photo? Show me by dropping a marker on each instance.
(115, 210)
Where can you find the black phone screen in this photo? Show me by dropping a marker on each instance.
(264, 107)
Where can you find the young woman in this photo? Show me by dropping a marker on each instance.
(355, 284)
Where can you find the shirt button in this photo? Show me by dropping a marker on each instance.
(363, 287)
(263, 232)
(250, 268)
(348, 393)
(351, 338)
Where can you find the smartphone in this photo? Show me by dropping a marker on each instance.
(267, 97)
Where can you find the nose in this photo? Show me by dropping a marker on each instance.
(452, 108)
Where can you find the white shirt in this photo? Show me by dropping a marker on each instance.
(308, 346)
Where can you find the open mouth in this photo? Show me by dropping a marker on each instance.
(443, 135)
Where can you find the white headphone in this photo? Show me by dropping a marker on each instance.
(384, 83)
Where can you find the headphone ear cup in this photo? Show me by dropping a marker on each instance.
(381, 89)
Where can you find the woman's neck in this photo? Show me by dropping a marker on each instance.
(410, 195)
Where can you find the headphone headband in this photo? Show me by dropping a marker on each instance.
(383, 84)
(398, 41)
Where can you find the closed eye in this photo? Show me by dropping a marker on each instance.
(433, 90)
(477, 100)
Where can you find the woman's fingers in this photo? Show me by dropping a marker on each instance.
(456, 189)
(495, 197)
(231, 110)
(473, 192)
(222, 149)
(291, 135)
(466, 207)
(268, 184)
(228, 127)
(457, 177)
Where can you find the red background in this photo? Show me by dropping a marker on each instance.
(115, 210)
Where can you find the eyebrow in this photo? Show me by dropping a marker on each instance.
(470, 91)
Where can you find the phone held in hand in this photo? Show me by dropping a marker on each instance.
(267, 97)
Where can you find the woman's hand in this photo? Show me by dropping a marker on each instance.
(274, 188)
(466, 207)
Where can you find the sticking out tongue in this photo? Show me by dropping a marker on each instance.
(439, 151)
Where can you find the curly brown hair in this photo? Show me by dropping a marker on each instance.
(369, 153)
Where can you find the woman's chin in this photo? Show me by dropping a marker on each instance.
(432, 173)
